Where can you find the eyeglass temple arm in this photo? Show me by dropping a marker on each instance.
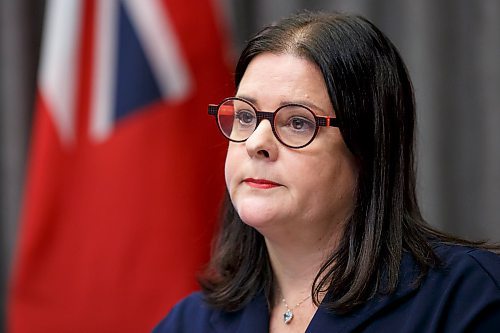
(212, 109)
(328, 121)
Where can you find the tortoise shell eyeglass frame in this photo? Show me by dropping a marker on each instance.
(325, 121)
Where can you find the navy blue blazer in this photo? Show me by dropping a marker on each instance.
(461, 296)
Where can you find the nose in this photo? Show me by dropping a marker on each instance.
(262, 143)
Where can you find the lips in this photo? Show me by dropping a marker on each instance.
(260, 183)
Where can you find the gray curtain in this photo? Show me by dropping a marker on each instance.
(20, 33)
(452, 49)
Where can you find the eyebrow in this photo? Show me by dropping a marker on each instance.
(285, 102)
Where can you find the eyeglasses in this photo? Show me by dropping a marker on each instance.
(294, 125)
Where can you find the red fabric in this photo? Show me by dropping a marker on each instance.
(112, 233)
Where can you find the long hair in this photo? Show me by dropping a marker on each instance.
(372, 95)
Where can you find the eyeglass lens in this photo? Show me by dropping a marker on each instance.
(294, 125)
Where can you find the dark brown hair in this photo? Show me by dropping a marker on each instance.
(373, 98)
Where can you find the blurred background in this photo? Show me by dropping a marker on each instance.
(452, 50)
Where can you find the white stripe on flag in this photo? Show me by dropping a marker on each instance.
(161, 47)
(104, 71)
(58, 64)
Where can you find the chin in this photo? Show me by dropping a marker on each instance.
(257, 214)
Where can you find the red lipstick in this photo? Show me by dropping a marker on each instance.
(260, 183)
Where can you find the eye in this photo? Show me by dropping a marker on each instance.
(297, 123)
(300, 123)
(245, 117)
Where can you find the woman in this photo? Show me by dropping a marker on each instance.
(322, 231)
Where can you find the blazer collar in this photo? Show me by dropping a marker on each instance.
(255, 316)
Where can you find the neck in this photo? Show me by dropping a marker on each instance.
(296, 260)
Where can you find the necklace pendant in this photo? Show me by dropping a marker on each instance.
(288, 316)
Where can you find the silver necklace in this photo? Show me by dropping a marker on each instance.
(288, 315)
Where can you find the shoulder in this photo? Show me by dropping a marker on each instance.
(463, 293)
(191, 314)
(469, 263)
(467, 274)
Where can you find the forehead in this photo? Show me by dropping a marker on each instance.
(274, 79)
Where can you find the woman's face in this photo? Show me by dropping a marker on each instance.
(272, 186)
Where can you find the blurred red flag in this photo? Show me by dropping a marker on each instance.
(126, 167)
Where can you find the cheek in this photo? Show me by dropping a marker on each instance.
(343, 176)
(334, 175)
(228, 174)
(232, 161)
